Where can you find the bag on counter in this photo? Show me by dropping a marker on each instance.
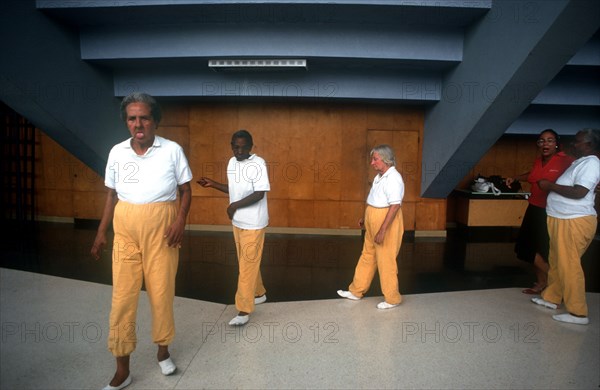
(481, 184)
(495, 184)
(500, 183)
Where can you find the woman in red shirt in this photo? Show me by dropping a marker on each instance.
(532, 240)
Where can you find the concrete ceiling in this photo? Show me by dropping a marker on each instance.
(479, 68)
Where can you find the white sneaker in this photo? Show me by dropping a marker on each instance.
(385, 305)
(167, 367)
(261, 299)
(571, 319)
(239, 320)
(348, 295)
(123, 385)
(542, 302)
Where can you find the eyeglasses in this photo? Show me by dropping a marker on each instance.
(542, 141)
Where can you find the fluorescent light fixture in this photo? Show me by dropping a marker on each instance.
(257, 64)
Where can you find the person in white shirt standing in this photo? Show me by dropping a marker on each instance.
(384, 230)
(144, 176)
(572, 225)
(247, 186)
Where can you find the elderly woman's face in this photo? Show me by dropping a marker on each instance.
(581, 147)
(140, 122)
(378, 164)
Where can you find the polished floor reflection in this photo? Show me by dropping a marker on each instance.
(294, 267)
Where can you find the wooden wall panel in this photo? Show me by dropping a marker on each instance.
(317, 157)
(210, 136)
(326, 165)
(328, 213)
(271, 144)
(406, 144)
(380, 117)
(296, 167)
(351, 213)
(54, 203)
(526, 152)
(179, 134)
(174, 115)
(430, 214)
(408, 213)
(209, 211)
(301, 213)
(510, 156)
(352, 169)
(65, 187)
(55, 167)
(278, 212)
(88, 204)
(87, 180)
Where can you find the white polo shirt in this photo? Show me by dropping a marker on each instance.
(387, 189)
(584, 171)
(244, 178)
(150, 178)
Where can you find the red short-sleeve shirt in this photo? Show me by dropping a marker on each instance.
(551, 171)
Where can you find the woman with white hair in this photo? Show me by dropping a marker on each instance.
(572, 222)
(384, 230)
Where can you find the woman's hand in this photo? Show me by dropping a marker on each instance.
(379, 237)
(174, 234)
(99, 244)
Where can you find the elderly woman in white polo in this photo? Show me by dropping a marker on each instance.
(384, 230)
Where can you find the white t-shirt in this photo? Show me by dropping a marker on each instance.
(150, 178)
(387, 189)
(584, 171)
(244, 178)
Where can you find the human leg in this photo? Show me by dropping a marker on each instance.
(249, 244)
(553, 292)
(127, 281)
(531, 246)
(579, 233)
(541, 268)
(367, 264)
(260, 292)
(541, 245)
(386, 255)
(160, 271)
(122, 377)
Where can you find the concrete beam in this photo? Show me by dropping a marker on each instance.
(508, 58)
(312, 40)
(43, 78)
(565, 120)
(408, 87)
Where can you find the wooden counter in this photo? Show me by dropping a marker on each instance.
(477, 209)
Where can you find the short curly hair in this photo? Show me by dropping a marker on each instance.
(244, 134)
(140, 97)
